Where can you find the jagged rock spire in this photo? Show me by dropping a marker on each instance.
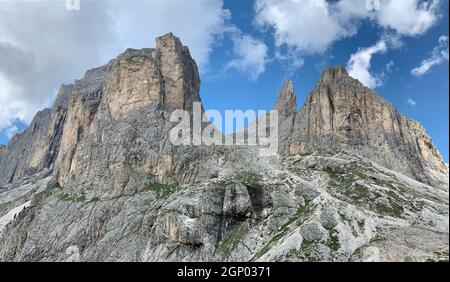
(343, 114)
(180, 72)
(286, 102)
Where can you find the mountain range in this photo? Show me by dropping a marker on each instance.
(96, 177)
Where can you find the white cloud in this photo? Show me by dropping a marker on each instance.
(438, 56)
(42, 44)
(411, 102)
(408, 17)
(251, 55)
(10, 132)
(311, 26)
(196, 22)
(308, 26)
(359, 64)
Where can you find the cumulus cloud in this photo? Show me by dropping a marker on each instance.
(196, 22)
(438, 56)
(312, 26)
(42, 44)
(408, 17)
(308, 26)
(251, 55)
(359, 64)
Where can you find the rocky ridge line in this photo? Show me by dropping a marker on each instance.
(102, 182)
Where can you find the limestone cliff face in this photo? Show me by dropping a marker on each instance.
(96, 178)
(341, 113)
(33, 150)
(133, 82)
(120, 130)
(180, 73)
(80, 113)
(167, 75)
(147, 80)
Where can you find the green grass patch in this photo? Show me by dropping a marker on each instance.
(64, 197)
(269, 245)
(81, 198)
(232, 240)
(308, 251)
(249, 179)
(284, 230)
(395, 210)
(162, 190)
(361, 224)
(339, 178)
(68, 198)
(333, 242)
(301, 211)
(377, 239)
(53, 185)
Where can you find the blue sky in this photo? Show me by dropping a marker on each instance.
(244, 48)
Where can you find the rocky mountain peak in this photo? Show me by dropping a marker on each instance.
(164, 78)
(333, 73)
(343, 114)
(96, 178)
(286, 102)
(180, 73)
(166, 75)
(170, 43)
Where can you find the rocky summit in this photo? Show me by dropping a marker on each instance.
(96, 178)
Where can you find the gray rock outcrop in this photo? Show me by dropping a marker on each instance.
(96, 178)
(343, 114)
